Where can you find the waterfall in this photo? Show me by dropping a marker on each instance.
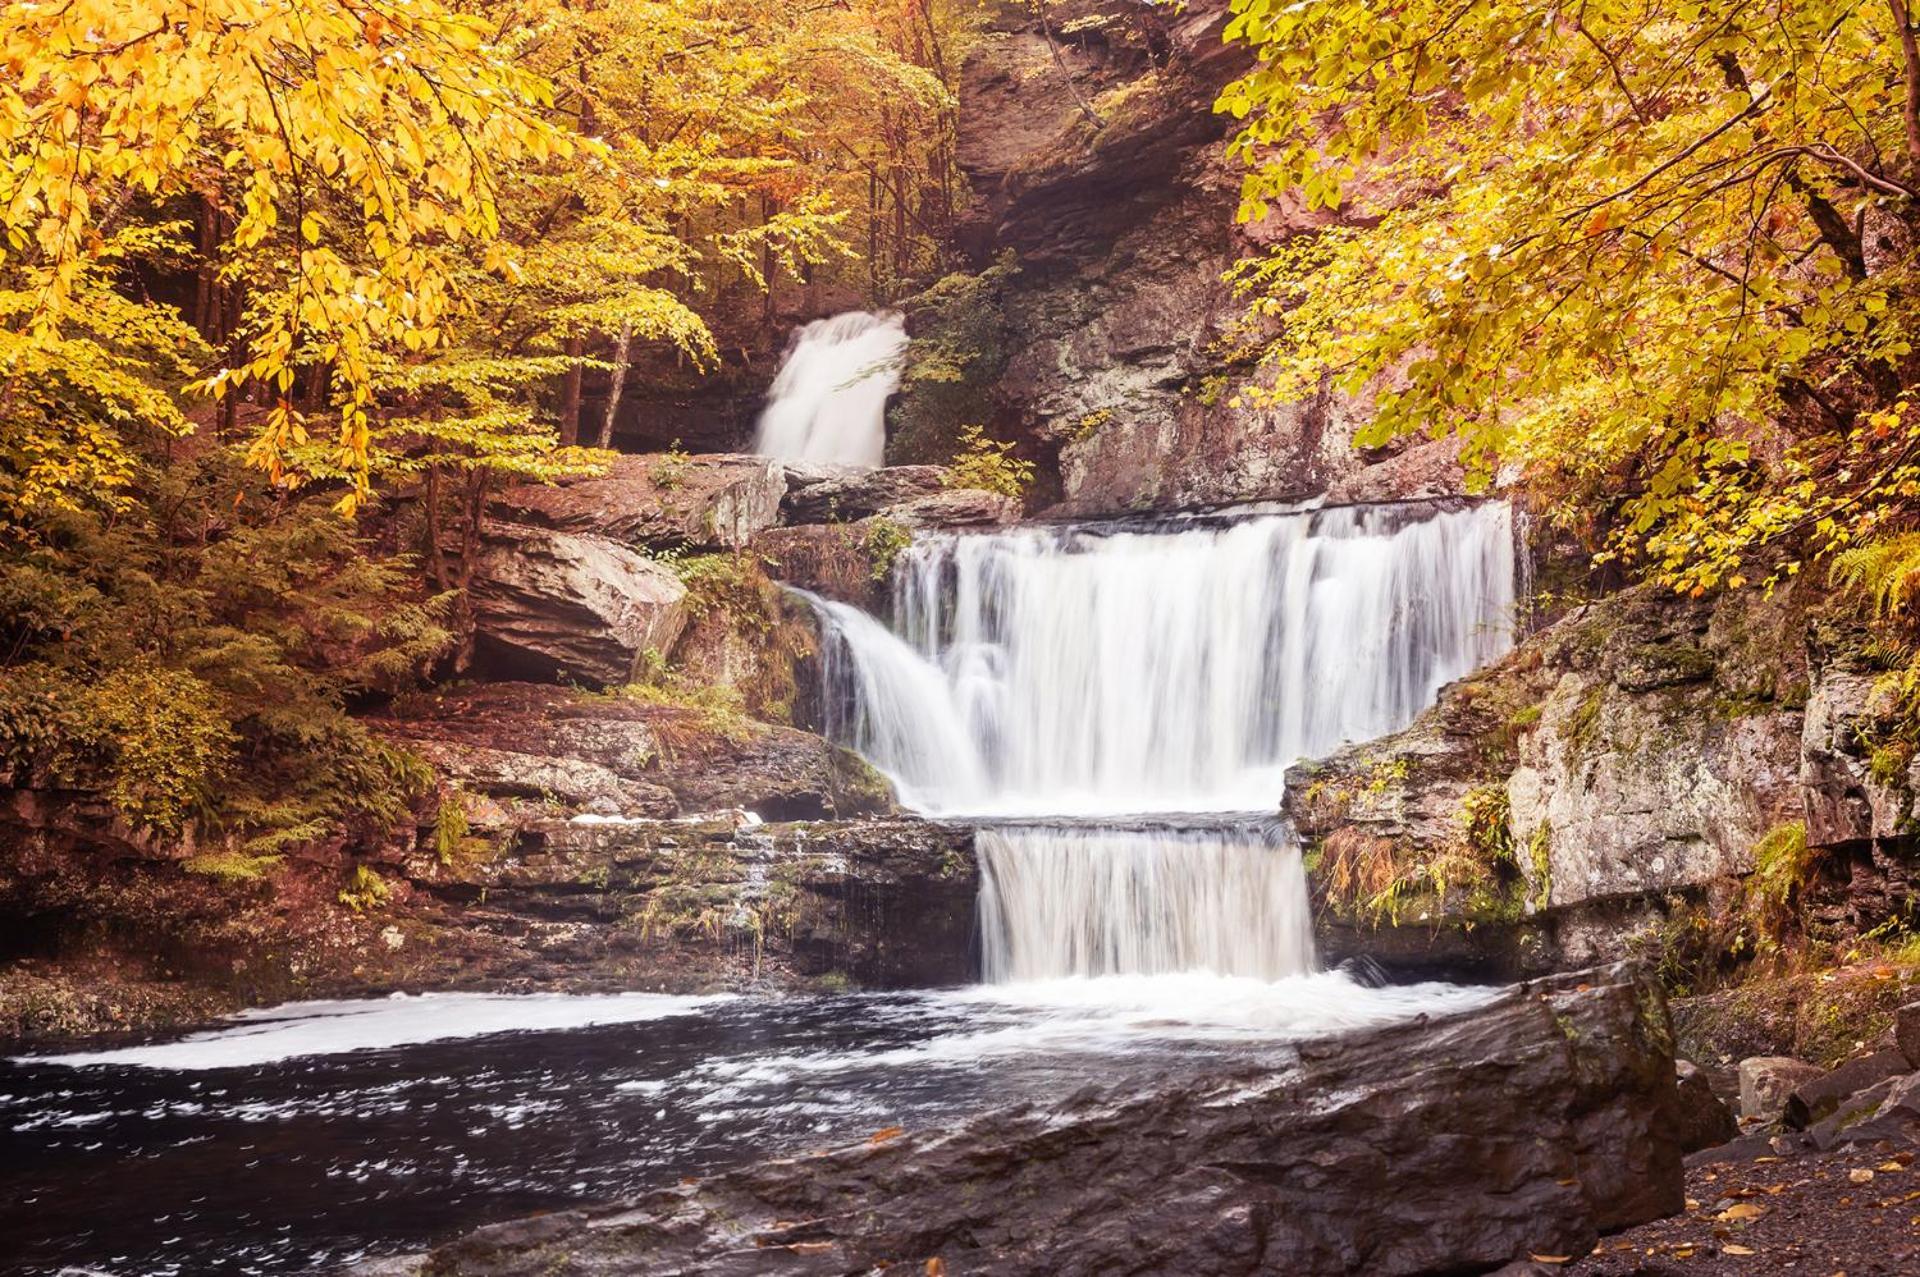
(828, 402)
(1065, 900)
(1097, 686)
(1091, 671)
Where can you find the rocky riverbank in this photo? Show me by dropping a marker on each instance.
(1561, 1095)
(646, 816)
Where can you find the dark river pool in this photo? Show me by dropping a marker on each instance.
(302, 1138)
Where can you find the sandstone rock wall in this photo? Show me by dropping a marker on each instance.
(1119, 352)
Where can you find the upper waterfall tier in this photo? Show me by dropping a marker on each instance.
(828, 403)
(1102, 669)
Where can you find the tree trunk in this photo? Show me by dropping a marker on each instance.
(436, 557)
(206, 290)
(570, 395)
(619, 386)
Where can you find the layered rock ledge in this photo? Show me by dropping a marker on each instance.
(1528, 1126)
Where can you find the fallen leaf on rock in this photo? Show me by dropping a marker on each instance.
(1890, 1166)
(936, 1267)
(1860, 1176)
(1743, 1210)
(886, 1133)
(1731, 1249)
(1551, 1259)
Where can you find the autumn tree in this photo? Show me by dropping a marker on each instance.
(1657, 257)
(356, 144)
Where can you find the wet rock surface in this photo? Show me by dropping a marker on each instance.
(691, 905)
(1529, 1126)
(505, 740)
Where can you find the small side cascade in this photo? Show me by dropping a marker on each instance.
(828, 402)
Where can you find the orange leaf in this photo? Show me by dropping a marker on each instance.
(886, 1133)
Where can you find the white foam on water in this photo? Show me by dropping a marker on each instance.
(301, 1029)
(1107, 1016)
(828, 403)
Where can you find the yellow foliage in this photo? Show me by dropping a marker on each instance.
(1659, 259)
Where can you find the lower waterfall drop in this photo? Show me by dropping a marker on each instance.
(1059, 901)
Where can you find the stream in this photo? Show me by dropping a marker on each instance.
(306, 1137)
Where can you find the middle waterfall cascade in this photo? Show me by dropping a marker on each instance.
(828, 402)
(1096, 686)
(1087, 671)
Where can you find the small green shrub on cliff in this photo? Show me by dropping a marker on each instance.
(231, 866)
(1783, 865)
(988, 464)
(883, 543)
(1485, 816)
(960, 340)
(365, 890)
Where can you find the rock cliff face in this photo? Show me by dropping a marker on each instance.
(1346, 1159)
(1627, 759)
(1120, 354)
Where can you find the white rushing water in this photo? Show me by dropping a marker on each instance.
(1074, 679)
(1088, 671)
(299, 1029)
(828, 402)
(1066, 900)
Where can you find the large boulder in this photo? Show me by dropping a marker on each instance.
(1768, 1081)
(664, 500)
(1817, 1098)
(557, 605)
(1529, 1126)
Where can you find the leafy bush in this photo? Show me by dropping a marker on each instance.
(988, 464)
(190, 658)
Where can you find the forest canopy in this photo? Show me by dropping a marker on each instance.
(1655, 257)
(402, 229)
